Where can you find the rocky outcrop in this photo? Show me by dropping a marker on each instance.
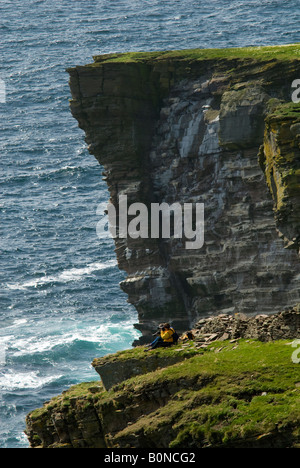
(118, 367)
(284, 325)
(187, 128)
(211, 127)
(113, 369)
(218, 390)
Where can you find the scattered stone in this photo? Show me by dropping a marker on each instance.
(211, 337)
(224, 337)
(262, 327)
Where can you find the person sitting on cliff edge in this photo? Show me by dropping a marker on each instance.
(167, 337)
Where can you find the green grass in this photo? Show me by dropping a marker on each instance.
(246, 355)
(139, 353)
(226, 395)
(76, 392)
(286, 111)
(278, 52)
(232, 393)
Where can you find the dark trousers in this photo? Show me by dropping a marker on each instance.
(159, 343)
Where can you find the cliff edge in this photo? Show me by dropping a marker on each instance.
(235, 385)
(206, 127)
(218, 128)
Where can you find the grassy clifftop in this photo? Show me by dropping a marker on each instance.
(231, 394)
(241, 393)
(281, 52)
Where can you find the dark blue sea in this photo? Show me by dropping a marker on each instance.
(60, 300)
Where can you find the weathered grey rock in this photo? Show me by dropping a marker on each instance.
(113, 371)
(282, 325)
(242, 114)
(190, 131)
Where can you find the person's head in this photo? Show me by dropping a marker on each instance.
(167, 325)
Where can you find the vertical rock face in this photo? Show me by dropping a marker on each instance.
(179, 131)
(280, 160)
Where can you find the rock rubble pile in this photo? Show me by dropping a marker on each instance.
(283, 325)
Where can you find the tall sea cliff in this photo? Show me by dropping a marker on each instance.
(201, 126)
(218, 128)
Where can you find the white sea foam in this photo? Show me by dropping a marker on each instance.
(10, 380)
(74, 274)
(3, 348)
(64, 333)
(19, 322)
(26, 346)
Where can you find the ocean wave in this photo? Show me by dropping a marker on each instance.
(73, 274)
(11, 380)
(61, 340)
(55, 345)
(47, 175)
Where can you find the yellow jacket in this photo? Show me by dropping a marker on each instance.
(167, 335)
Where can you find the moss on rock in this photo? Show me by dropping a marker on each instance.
(240, 394)
(280, 160)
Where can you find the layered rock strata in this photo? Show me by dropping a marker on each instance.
(188, 130)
